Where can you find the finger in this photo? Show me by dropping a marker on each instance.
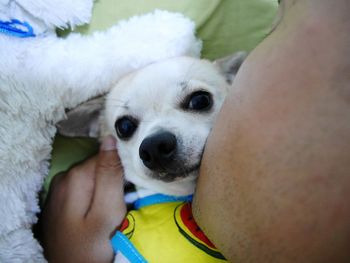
(79, 191)
(56, 189)
(108, 199)
(53, 204)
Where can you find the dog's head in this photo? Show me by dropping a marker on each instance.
(161, 116)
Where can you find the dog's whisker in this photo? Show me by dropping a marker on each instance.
(146, 121)
(114, 99)
(119, 106)
(117, 101)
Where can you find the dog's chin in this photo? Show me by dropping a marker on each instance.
(177, 186)
(175, 175)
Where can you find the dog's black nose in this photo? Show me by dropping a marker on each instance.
(158, 150)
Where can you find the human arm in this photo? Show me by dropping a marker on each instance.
(276, 164)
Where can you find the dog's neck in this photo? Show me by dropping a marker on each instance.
(143, 192)
(145, 197)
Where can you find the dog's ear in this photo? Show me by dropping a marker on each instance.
(230, 65)
(84, 120)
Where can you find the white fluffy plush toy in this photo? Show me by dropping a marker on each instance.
(41, 75)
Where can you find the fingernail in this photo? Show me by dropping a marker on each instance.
(108, 144)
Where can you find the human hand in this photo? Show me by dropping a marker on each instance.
(83, 209)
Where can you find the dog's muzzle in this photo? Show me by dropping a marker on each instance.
(157, 151)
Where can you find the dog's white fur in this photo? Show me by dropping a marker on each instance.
(41, 76)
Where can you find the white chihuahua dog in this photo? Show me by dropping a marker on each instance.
(161, 116)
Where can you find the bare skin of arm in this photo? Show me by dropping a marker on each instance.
(274, 183)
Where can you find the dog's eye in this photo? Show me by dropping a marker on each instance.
(125, 127)
(199, 101)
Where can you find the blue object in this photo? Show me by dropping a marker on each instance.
(16, 28)
(122, 244)
(160, 198)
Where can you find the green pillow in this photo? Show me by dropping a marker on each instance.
(225, 26)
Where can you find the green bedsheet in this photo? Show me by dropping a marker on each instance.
(225, 26)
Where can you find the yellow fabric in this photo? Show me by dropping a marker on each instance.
(157, 233)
